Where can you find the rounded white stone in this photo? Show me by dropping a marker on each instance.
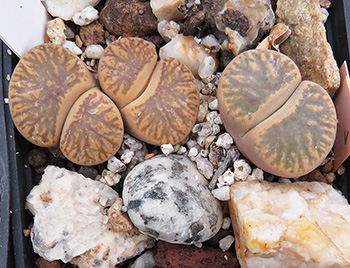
(66, 9)
(71, 46)
(168, 199)
(93, 51)
(86, 16)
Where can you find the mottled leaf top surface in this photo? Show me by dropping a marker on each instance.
(254, 85)
(296, 138)
(44, 85)
(125, 69)
(93, 131)
(167, 110)
(283, 126)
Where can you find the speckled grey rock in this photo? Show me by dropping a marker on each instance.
(168, 199)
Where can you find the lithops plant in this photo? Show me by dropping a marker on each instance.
(158, 101)
(54, 102)
(284, 126)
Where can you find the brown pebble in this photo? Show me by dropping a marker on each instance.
(328, 166)
(42, 263)
(216, 154)
(118, 220)
(37, 158)
(315, 175)
(45, 197)
(78, 41)
(26, 232)
(330, 177)
(341, 170)
(180, 256)
(129, 17)
(193, 24)
(92, 34)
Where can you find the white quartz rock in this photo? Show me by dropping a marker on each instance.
(304, 224)
(86, 16)
(69, 221)
(193, 55)
(168, 199)
(71, 46)
(66, 9)
(168, 29)
(167, 9)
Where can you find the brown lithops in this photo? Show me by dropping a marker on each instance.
(284, 126)
(45, 84)
(158, 101)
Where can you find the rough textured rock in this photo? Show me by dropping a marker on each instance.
(129, 17)
(180, 256)
(92, 33)
(167, 198)
(71, 222)
(304, 224)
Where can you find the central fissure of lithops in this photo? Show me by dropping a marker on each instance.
(282, 124)
(54, 99)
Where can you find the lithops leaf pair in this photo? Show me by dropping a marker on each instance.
(282, 124)
(158, 100)
(54, 101)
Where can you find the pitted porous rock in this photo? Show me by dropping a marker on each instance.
(168, 199)
(71, 222)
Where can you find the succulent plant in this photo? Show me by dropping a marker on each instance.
(158, 101)
(53, 101)
(282, 125)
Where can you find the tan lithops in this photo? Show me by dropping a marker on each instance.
(50, 91)
(283, 126)
(125, 68)
(167, 110)
(93, 131)
(44, 85)
(158, 101)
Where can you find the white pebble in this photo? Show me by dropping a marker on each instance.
(218, 120)
(110, 178)
(213, 105)
(127, 156)
(226, 223)
(257, 175)
(132, 143)
(86, 16)
(182, 150)
(201, 141)
(284, 180)
(205, 167)
(115, 165)
(222, 193)
(166, 149)
(191, 143)
(207, 67)
(206, 129)
(168, 29)
(241, 170)
(193, 152)
(225, 141)
(198, 244)
(211, 42)
(228, 178)
(215, 129)
(196, 128)
(226, 242)
(324, 14)
(55, 31)
(204, 152)
(93, 51)
(71, 46)
(209, 140)
(211, 117)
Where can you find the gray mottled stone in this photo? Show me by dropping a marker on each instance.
(168, 199)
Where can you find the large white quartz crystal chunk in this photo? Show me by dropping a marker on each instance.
(71, 222)
(304, 224)
(66, 9)
(168, 199)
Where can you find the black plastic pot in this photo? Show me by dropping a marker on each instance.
(16, 177)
